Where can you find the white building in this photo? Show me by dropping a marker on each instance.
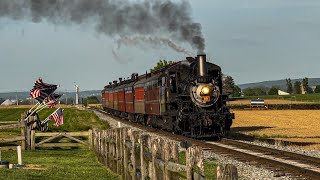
(9, 102)
(282, 93)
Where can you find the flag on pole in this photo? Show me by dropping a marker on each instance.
(53, 100)
(57, 116)
(42, 90)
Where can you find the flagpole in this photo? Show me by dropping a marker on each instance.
(44, 106)
(53, 113)
(48, 118)
(34, 106)
(34, 111)
(39, 107)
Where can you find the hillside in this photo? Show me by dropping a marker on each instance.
(280, 83)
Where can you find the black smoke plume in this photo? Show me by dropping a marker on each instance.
(115, 18)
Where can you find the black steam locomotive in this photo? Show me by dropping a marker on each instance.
(184, 97)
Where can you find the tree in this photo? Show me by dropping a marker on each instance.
(317, 90)
(229, 87)
(297, 87)
(236, 91)
(305, 84)
(273, 91)
(255, 91)
(228, 84)
(92, 100)
(289, 86)
(161, 63)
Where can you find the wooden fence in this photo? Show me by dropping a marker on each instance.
(58, 135)
(29, 136)
(13, 125)
(135, 155)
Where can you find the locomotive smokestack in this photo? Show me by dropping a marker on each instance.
(202, 67)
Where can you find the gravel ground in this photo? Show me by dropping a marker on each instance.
(314, 153)
(245, 170)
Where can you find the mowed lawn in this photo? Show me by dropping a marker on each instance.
(292, 125)
(57, 163)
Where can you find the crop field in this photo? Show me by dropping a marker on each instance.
(288, 125)
(268, 101)
(312, 98)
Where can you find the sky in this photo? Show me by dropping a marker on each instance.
(251, 40)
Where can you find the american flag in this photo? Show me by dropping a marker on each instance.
(57, 116)
(53, 100)
(42, 90)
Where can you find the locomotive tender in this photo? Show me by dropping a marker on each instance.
(184, 97)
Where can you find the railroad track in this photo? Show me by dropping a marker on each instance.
(282, 162)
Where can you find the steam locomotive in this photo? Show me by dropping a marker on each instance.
(184, 98)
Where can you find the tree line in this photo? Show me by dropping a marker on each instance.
(298, 87)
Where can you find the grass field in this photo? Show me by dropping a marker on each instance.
(289, 125)
(56, 164)
(74, 120)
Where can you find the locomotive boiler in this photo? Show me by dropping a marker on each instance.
(184, 97)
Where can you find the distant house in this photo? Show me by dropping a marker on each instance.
(9, 102)
(282, 93)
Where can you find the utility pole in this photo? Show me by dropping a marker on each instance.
(66, 97)
(77, 94)
(17, 98)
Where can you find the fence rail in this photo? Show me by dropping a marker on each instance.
(13, 125)
(136, 155)
(54, 135)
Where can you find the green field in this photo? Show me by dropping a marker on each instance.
(74, 120)
(296, 97)
(56, 164)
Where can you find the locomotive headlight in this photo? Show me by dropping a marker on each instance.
(205, 90)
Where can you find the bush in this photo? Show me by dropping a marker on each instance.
(273, 91)
(317, 90)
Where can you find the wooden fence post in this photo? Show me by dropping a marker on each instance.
(28, 132)
(171, 151)
(33, 139)
(103, 146)
(133, 138)
(125, 153)
(194, 157)
(23, 131)
(144, 142)
(90, 139)
(118, 150)
(107, 150)
(227, 172)
(94, 139)
(113, 164)
(154, 149)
